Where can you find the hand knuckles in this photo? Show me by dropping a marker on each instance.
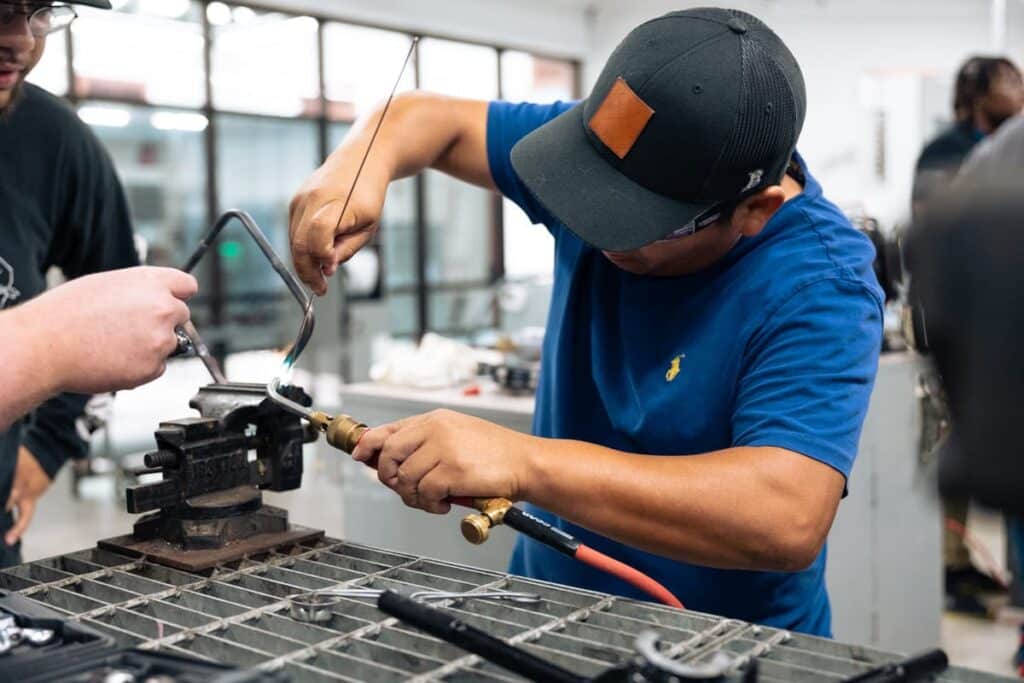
(435, 491)
(321, 233)
(162, 345)
(405, 477)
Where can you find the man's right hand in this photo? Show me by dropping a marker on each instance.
(319, 241)
(420, 131)
(110, 330)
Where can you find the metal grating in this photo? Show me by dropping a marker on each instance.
(239, 615)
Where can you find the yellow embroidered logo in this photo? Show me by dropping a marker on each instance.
(673, 368)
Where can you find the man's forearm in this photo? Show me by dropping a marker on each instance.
(25, 373)
(421, 131)
(740, 508)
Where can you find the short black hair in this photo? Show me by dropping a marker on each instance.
(973, 81)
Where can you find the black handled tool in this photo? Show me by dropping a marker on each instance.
(648, 666)
(457, 632)
(917, 668)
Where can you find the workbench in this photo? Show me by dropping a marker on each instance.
(884, 564)
(240, 615)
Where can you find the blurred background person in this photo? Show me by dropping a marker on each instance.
(988, 91)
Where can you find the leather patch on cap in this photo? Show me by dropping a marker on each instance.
(620, 119)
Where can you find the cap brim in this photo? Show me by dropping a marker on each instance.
(560, 166)
(101, 4)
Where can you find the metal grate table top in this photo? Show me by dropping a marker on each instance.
(239, 615)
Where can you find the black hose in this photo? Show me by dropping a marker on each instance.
(917, 668)
(452, 630)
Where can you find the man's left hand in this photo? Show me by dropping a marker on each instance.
(30, 482)
(430, 458)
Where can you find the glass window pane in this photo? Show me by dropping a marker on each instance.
(355, 82)
(459, 216)
(148, 50)
(398, 234)
(51, 73)
(402, 311)
(459, 224)
(261, 162)
(458, 69)
(529, 249)
(264, 62)
(525, 77)
(462, 311)
(159, 158)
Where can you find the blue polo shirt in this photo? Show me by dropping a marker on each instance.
(776, 344)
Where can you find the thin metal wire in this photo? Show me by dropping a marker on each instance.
(274, 386)
(380, 122)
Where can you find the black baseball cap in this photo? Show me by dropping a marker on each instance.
(693, 112)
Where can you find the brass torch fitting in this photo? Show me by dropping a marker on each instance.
(320, 420)
(476, 527)
(344, 432)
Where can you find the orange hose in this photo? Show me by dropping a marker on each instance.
(598, 560)
(632, 576)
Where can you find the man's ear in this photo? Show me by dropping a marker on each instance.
(755, 211)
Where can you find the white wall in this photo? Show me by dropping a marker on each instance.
(555, 27)
(845, 46)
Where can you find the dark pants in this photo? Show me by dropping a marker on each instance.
(1015, 555)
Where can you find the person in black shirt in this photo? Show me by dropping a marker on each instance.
(97, 333)
(61, 205)
(988, 91)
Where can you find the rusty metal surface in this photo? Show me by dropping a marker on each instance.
(159, 551)
(239, 614)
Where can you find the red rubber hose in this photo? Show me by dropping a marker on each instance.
(599, 561)
(633, 577)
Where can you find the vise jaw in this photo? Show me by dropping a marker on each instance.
(208, 508)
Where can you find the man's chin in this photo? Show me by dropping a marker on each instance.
(629, 262)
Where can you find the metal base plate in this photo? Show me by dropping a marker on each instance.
(160, 551)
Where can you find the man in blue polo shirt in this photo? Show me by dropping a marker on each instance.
(708, 302)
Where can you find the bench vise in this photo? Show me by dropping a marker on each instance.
(208, 506)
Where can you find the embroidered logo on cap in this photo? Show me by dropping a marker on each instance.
(754, 179)
(620, 119)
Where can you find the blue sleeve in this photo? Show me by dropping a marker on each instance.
(809, 370)
(507, 124)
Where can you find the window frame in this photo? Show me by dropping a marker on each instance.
(216, 295)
